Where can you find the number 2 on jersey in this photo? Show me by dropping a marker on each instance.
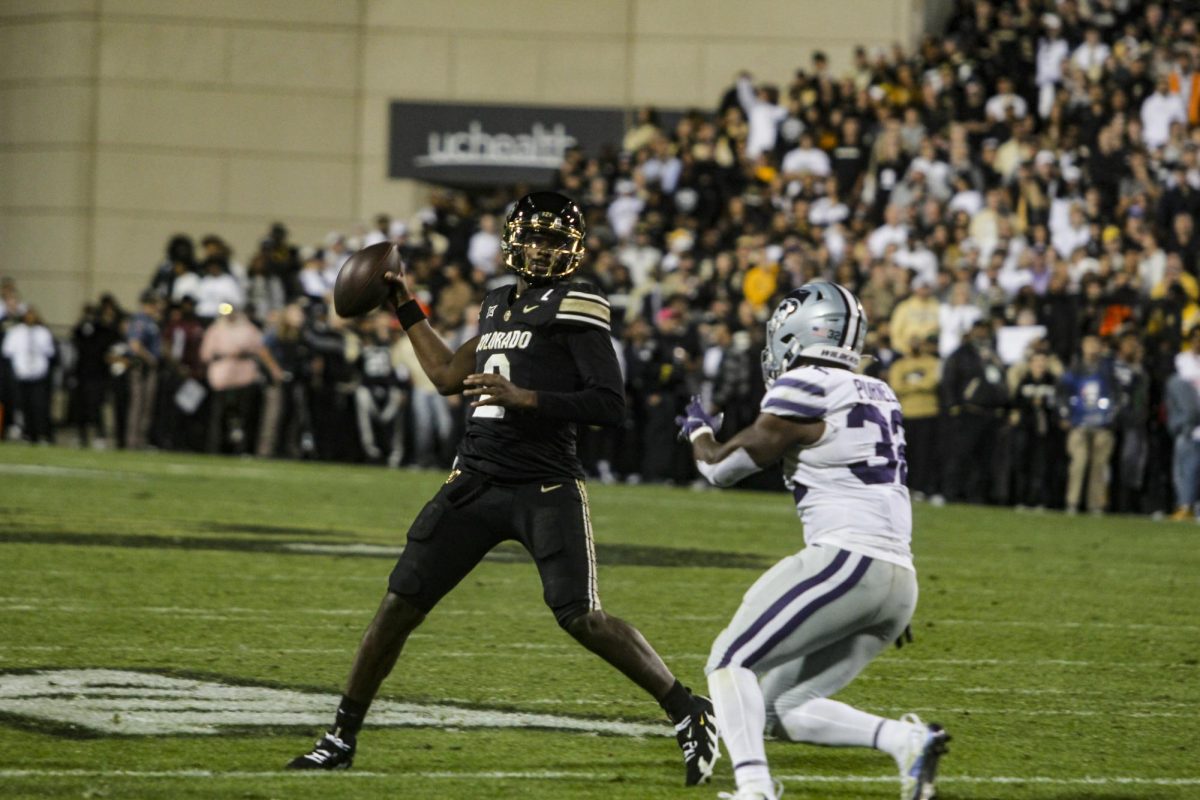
(497, 363)
(888, 448)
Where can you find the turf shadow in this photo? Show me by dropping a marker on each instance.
(623, 555)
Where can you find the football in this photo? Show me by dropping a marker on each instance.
(360, 288)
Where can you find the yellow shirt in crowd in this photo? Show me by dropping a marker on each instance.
(915, 380)
(914, 318)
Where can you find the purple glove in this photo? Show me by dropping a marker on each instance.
(696, 422)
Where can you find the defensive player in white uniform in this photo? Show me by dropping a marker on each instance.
(809, 625)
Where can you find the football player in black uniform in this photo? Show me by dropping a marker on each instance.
(542, 363)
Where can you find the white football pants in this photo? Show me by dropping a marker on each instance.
(812, 623)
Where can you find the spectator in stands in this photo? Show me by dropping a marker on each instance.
(660, 373)
(1184, 239)
(915, 380)
(182, 376)
(917, 317)
(31, 352)
(217, 288)
(379, 397)
(1091, 54)
(1052, 52)
(1037, 440)
(1159, 112)
(213, 246)
(806, 159)
(144, 341)
(119, 358)
(265, 293)
(763, 113)
(483, 252)
(1183, 421)
(431, 418)
(313, 281)
(180, 262)
(184, 282)
(1006, 104)
(987, 224)
(1089, 409)
(640, 256)
(455, 294)
(92, 337)
(379, 232)
(1074, 234)
(233, 351)
(283, 259)
(1132, 424)
(337, 250)
(955, 318)
(893, 232)
(332, 385)
(644, 130)
(624, 210)
(975, 395)
(289, 432)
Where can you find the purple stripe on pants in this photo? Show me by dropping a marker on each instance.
(808, 611)
(779, 605)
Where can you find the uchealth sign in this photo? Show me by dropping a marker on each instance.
(486, 144)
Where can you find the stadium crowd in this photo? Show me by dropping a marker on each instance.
(1015, 202)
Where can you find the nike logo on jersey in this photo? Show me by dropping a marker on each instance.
(551, 488)
(527, 309)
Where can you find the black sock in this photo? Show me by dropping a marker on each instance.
(350, 715)
(677, 702)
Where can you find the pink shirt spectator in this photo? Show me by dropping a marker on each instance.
(229, 347)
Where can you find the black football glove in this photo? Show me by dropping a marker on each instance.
(905, 637)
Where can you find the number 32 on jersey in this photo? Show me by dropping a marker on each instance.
(890, 447)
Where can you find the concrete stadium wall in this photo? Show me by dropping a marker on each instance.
(124, 121)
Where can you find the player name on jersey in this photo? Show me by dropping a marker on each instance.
(875, 390)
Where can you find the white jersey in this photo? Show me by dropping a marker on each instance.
(850, 486)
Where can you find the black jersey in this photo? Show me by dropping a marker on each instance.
(554, 340)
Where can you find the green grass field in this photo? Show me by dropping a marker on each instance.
(1062, 653)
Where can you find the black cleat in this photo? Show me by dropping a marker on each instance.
(328, 753)
(697, 737)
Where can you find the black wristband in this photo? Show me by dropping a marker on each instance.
(409, 314)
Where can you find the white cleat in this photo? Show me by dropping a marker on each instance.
(919, 762)
(754, 794)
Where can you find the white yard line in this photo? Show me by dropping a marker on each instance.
(1025, 662)
(545, 775)
(11, 603)
(1026, 623)
(43, 470)
(569, 650)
